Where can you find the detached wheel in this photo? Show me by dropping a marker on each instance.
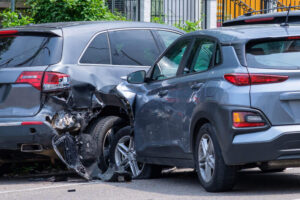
(103, 132)
(123, 154)
(213, 173)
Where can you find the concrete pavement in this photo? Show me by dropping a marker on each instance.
(251, 185)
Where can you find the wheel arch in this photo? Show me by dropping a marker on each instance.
(108, 111)
(199, 120)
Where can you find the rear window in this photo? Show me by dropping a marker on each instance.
(274, 54)
(29, 50)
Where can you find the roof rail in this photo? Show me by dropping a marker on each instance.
(269, 9)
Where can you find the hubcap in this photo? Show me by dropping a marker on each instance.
(206, 158)
(125, 155)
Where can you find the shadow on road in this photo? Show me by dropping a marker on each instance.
(249, 183)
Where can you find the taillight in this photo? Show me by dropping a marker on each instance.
(32, 78)
(8, 32)
(31, 123)
(243, 79)
(247, 119)
(259, 20)
(52, 81)
(55, 81)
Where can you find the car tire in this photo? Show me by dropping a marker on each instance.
(125, 137)
(103, 132)
(213, 173)
(267, 170)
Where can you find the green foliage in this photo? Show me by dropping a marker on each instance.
(10, 19)
(189, 26)
(158, 20)
(186, 26)
(44, 11)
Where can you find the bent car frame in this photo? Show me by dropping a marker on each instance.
(49, 74)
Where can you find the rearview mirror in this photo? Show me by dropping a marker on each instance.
(137, 77)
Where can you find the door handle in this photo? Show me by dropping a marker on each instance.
(196, 86)
(162, 93)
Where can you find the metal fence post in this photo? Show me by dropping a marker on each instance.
(12, 5)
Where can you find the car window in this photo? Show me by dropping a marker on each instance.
(133, 47)
(97, 51)
(274, 54)
(29, 50)
(168, 37)
(201, 56)
(168, 65)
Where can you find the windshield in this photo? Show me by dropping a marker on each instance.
(275, 54)
(29, 50)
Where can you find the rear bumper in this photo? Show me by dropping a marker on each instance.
(276, 143)
(14, 133)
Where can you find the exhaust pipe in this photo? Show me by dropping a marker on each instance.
(28, 148)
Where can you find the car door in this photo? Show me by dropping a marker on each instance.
(191, 88)
(154, 106)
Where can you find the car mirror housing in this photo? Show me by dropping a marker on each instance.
(137, 77)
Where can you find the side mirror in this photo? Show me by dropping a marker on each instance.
(137, 77)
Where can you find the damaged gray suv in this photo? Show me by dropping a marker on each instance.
(49, 74)
(219, 101)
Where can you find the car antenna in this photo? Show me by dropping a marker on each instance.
(287, 17)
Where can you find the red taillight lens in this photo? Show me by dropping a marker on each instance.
(263, 78)
(8, 32)
(55, 81)
(52, 80)
(247, 119)
(241, 79)
(32, 78)
(259, 20)
(238, 79)
(31, 123)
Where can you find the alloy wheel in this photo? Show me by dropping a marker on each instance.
(206, 158)
(125, 155)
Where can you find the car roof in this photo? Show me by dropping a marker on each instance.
(92, 26)
(242, 34)
(293, 16)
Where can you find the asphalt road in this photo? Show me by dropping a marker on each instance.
(251, 185)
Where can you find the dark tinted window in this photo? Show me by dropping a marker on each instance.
(168, 65)
(168, 37)
(98, 51)
(133, 47)
(276, 54)
(29, 50)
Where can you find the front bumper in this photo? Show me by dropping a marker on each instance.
(14, 133)
(276, 143)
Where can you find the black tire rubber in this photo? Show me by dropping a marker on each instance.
(223, 178)
(99, 131)
(267, 170)
(149, 171)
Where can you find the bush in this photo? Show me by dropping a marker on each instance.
(44, 11)
(189, 26)
(186, 26)
(13, 19)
